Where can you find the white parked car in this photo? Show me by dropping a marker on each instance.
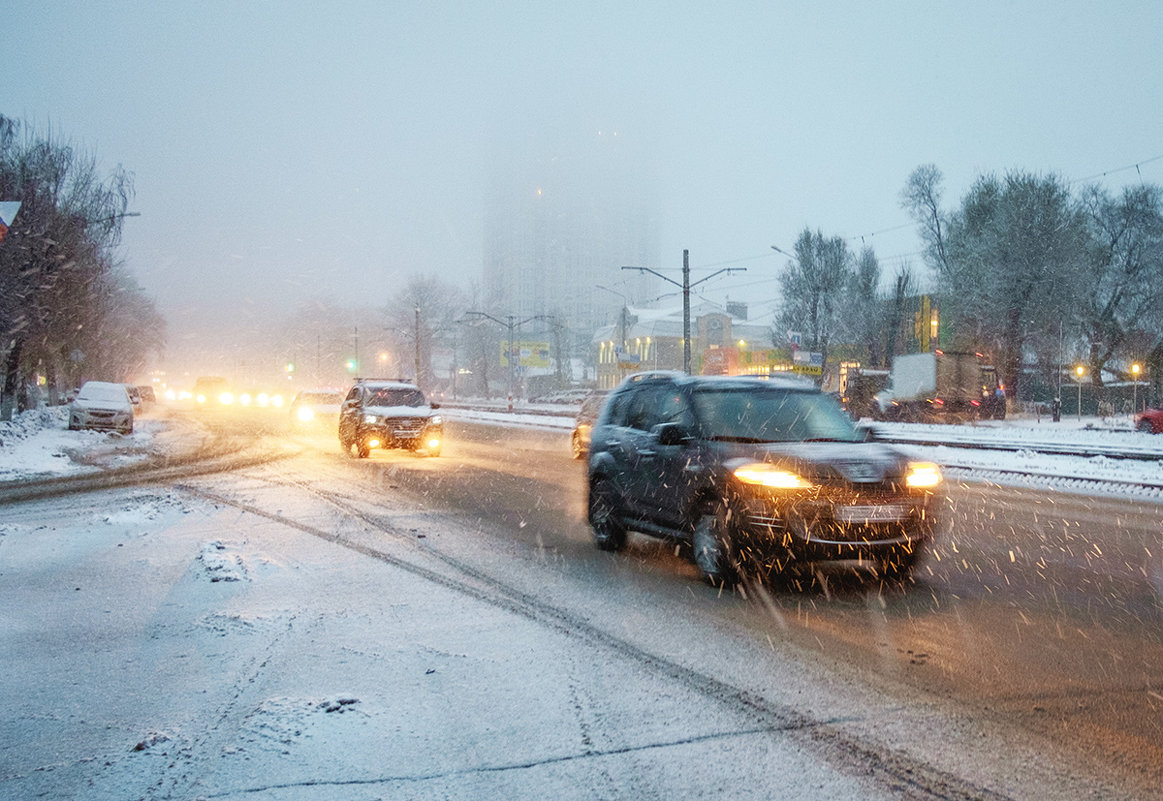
(101, 404)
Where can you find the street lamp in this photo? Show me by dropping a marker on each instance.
(686, 299)
(1079, 371)
(1134, 389)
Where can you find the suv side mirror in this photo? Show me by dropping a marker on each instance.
(672, 434)
(868, 433)
(434, 406)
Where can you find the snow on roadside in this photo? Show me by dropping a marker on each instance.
(1023, 468)
(38, 444)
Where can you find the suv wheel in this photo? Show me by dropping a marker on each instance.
(609, 533)
(712, 545)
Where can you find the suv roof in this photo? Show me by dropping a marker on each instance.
(781, 381)
(386, 382)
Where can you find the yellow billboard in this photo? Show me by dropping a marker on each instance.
(528, 354)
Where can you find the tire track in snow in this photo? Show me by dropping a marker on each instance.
(897, 772)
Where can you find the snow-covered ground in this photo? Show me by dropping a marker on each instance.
(159, 645)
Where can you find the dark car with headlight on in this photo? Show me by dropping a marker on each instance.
(380, 413)
(760, 476)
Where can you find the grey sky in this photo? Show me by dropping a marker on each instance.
(285, 149)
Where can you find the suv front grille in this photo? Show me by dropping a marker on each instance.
(406, 426)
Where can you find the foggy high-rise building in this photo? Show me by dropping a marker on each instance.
(560, 226)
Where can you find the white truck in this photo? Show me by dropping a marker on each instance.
(942, 385)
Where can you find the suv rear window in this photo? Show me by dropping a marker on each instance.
(770, 415)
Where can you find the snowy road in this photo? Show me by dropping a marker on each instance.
(322, 627)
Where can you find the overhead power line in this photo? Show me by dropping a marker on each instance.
(1134, 167)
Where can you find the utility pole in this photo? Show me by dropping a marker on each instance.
(511, 323)
(686, 299)
(686, 311)
(623, 324)
(417, 344)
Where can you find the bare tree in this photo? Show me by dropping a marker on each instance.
(922, 198)
(904, 288)
(423, 315)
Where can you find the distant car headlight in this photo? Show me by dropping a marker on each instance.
(277, 401)
(768, 475)
(263, 399)
(923, 474)
(305, 414)
(226, 398)
(370, 419)
(435, 420)
(244, 399)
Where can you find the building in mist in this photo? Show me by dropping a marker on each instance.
(558, 230)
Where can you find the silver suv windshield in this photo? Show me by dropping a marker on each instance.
(771, 415)
(395, 397)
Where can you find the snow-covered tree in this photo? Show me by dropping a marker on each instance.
(58, 278)
(1123, 285)
(813, 285)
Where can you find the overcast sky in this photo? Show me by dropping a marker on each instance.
(290, 149)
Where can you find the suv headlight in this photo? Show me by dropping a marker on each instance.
(370, 419)
(768, 475)
(923, 474)
(435, 420)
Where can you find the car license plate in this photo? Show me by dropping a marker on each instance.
(883, 513)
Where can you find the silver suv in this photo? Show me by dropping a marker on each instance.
(382, 413)
(757, 477)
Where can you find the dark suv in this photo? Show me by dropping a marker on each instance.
(381, 413)
(759, 476)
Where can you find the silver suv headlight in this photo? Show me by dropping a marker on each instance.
(370, 419)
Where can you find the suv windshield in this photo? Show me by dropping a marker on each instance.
(770, 415)
(395, 397)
